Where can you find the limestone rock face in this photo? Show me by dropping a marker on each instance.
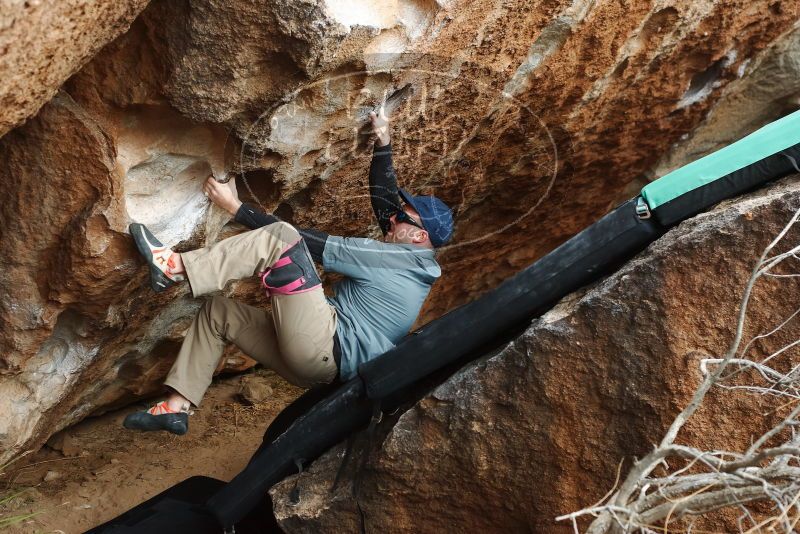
(771, 86)
(42, 43)
(530, 119)
(538, 429)
(68, 278)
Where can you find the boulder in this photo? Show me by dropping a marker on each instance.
(540, 427)
(531, 120)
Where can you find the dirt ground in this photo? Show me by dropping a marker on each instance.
(96, 470)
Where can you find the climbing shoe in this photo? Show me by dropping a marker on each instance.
(294, 272)
(159, 417)
(157, 256)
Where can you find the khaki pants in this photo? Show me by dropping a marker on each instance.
(295, 340)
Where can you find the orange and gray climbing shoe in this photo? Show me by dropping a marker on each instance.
(293, 273)
(157, 256)
(159, 417)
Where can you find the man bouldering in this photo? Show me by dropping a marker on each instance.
(307, 338)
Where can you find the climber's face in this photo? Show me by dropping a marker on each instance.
(403, 232)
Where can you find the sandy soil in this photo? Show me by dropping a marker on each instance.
(97, 469)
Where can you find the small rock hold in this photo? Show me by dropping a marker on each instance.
(253, 390)
(51, 475)
(65, 443)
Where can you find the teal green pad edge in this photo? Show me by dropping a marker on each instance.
(768, 140)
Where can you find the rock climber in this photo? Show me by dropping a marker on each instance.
(307, 338)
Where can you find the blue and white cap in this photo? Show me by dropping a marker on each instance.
(436, 217)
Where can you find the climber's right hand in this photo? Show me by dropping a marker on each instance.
(223, 195)
(380, 126)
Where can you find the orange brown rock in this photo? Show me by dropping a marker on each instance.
(42, 43)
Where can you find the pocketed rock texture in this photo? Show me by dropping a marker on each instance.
(538, 429)
(42, 43)
(771, 87)
(532, 119)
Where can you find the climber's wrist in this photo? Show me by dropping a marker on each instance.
(233, 206)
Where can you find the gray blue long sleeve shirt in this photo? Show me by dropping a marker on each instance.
(380, 297)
